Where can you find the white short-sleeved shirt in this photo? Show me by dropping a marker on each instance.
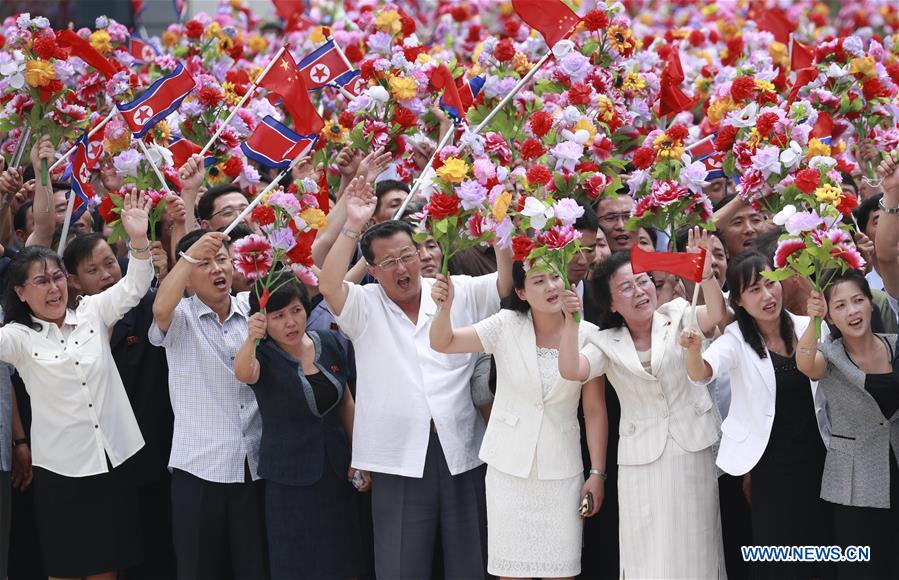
(403, 384)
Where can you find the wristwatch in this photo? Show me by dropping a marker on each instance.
(887, 209)
(22, 441)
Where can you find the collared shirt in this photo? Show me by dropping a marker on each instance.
(217, 422)
(80, 411)
(5, 417)
(402, 384)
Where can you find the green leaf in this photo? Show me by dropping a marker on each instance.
(778, 275)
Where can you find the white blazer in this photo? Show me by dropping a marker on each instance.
(524, 424)
(746, 429)
(659, 405)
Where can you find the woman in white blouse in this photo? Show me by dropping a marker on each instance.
(670, 524)
(535, 475)
(83, 428)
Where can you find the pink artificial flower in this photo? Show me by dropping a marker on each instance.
(253, 256)
(558, 237)
(850, 255)
(785, 249)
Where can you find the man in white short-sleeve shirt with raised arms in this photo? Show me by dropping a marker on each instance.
(416, 428)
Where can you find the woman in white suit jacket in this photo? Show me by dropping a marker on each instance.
(777, 427)
(535, 474)
(670, 524)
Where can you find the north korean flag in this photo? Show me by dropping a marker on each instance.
(274, 145)
(710, 157)
(323, 66)
(352, 82)
(468, 91)
(141, 50)
(157, 102)
(182, 149)
(81, 177)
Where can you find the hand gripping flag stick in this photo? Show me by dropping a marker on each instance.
(242, 101)
(243, 215)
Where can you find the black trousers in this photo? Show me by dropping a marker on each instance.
(156, 532)
(218, 529)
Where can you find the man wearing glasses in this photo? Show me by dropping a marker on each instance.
(416, 428)
(219, 206)
(613, 215)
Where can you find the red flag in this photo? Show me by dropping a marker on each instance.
(287, 9)
(672, 99)
(775, 21)
(803, 77)
(551, 18)
(801, 57)
(442, 78)
(83, 50)
(687, 265)
(285, 80)
(823, 127)
(324, 200)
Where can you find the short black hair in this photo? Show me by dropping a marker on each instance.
(79, 249)
(288, 288)
(206, 205)
(863, 212)
(60, 186)
(766, 243)
(20, 219)
(191, 238)
(382, 187)
(587, 222)
(239, 232)
(380, 231)
(602, 287)
(683, 234)
(724, 201)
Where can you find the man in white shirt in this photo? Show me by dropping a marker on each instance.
(415, 428)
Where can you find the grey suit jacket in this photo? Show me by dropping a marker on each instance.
(857, 469)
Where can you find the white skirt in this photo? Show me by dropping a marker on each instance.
(670, 520)
(533, 526)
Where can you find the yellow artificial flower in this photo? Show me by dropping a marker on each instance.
(633, 82)
(423, 58)
(170, 39)
(389, 21)
(162, 132)
(754, 138)
(521, 64)
(225, 44)
(39, 73)
(816, 148)
(501, 206)
(621, 38)
(101, 41)
(213, 30)
(645, 19)
(728, 30)
(709, 9)
(719, 108)
(334, 132)
(864, 67)
(231, 96)
(257, 43)
(828, 193)
(667, 149)
(588, 126)
(506, 9)
(779, 53)
(403, 88)
(115, 146)
(605, 109)
(314, 218)
(765, 86)
(318, 35)
(453, 170)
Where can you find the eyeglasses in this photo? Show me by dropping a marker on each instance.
(44, 282)
(229, 211)
(394, 263)
(610, 219)
(629, 288)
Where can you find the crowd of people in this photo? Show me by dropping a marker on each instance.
(385, 356)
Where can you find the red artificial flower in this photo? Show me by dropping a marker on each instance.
(725, 138)
(504, 50)
(511, 26)
(697, 38)
(404, 117)
(46, 92)
(233, 167)
(45, 46)
(521, 248)
(677, 133)
(239, 78)
(873, 89)
(850, 255)
(807, 180)
(408, 24)
(367, 69)
(596, 20)
(2, 41)
(353, 53)
(209, 96)
(541, 123)
(539, 175)
(347, 120)
(848, 202)
(586, 167)
(742, 88)
(442, 205)
(892, 70)
(764, 123)
(193, 29)
(459, 13)
(579, 94)
(411, 53)
(643, 157)
(596, 185)
(531, 149)
(107, 208)
(474, 33)
(253, 256)
(785, 249)
(734, 51)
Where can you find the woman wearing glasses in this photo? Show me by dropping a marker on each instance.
(777, 422)
(670, 524)
(83, 428)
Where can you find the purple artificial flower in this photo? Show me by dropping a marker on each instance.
(282, 239)
(576, 66)
(804, 221)
(471, 193)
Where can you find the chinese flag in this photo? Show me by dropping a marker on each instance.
(83, 50)
(803, 77)
(551, 18)
(823, 127)
(284, 79)
(687, 265)
(775, 21)
(672, 99)
(442, 78)
(801, 57)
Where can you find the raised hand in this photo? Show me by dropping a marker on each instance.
(348, 162)
(304, 168)
(865, 245)
(135, 214)
(109, 177)
(42, 149)
(192, 174)
(175, 208)
(571, 304)
(889, 173)
(256, 325)
(207, 247)
(442, 292)
(375, 163)
(697, 238)
(816, 305)
(360, 203)
(10, 182)
(690, 339)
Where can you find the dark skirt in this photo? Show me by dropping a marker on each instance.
(86, 525)
(313, 530)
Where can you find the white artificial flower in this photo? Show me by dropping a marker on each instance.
(745, 117)
(562, 48)
(160, 156)
(538, 211)
(835, 71)
(378, 94)
(783, 215)
(791, 156)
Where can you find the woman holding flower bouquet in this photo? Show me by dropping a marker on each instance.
(777, 417)
(670, 523)
(299, 378)
(83, 429)
(535, 480)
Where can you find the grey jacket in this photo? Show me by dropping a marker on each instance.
(857, 469)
